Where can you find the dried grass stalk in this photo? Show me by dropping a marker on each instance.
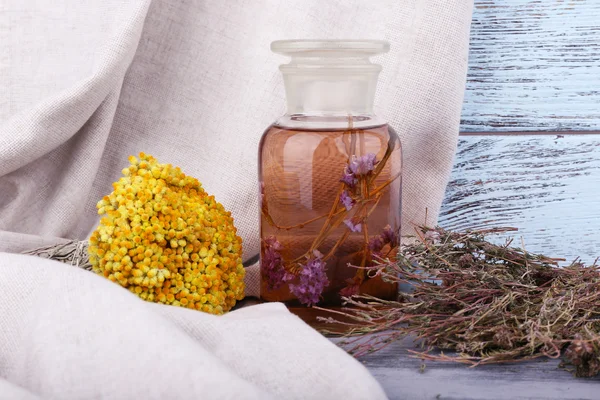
(72, 253)
(488, 303)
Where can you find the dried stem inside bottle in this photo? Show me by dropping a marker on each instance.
(330, 208)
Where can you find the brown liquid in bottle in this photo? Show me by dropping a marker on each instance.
(305, 215)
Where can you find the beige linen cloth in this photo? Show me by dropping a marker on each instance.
(84, 84)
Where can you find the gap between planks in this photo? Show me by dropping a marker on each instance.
(528, 133)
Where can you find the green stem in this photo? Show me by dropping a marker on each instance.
(327, 226)
(300, 225)
(377, 199)
(340, 241)
(380, 188)
(386, 156)
(327, 230)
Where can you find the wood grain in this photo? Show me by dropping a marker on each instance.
(547, 186)
(404, 377)
(533, 65)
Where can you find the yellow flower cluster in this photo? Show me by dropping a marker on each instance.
(166, 240)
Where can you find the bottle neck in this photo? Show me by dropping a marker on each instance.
(330, 92)
(330, 78)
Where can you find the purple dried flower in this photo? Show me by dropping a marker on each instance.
(353, 225)
(376, 244)
(350, 290)
(272, 263)
(390, 236)
(363, 165)
(346, 200)
(432, 236)
(312, 280)
(465, 260)
(272, 242)
(262, 193)
(348, 178)
(288, 277)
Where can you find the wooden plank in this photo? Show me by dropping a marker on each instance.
(547, 186)
(533, 65)
(529, 133)
(403, 377)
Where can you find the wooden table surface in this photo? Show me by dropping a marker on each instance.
(403, 377)
(549, 188)
(529, 158)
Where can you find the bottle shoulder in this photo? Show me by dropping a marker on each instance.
(326, 122)
(316, 131)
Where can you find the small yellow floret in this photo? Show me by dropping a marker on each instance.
(165, 239)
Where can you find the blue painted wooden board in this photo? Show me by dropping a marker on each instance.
(406, 378)
(548, 186)
(533, 65)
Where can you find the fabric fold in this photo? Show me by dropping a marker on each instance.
(68, 333)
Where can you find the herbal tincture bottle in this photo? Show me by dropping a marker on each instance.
(330, 178)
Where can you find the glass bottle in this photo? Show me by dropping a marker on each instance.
(330, 178)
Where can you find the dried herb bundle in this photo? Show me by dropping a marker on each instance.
(489, 303)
